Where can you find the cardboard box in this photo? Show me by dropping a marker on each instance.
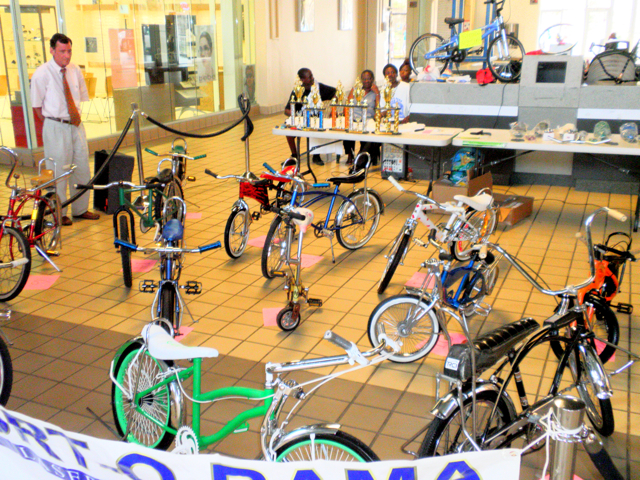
(443, 191)
(513, 208)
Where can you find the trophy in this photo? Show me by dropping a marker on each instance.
(298, 90)
(386, 113)
(337, 120)
(359, 94)
(313, 107)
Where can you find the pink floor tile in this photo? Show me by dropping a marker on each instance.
(142, 265)
(194, 215)
(184, 331)
(442, 348)
(257, 242)
(269, 316)
(600, 347)
(310, 260)
(417, 279)
(40, 282)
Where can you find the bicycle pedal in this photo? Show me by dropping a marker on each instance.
(314, 302)
(192, 287)
(482, 309)
(147, 286)
(278, 273)
(56, 253)
(624, 308)
(242, 428)
(255, 216)
(191, 178)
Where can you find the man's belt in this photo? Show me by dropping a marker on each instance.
(68, 122)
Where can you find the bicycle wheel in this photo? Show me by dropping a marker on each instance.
(142, 371)
(357, 219)
(48, 222)
(604, 325)
(428, 43)
(275, 248)
(393, 317)
(13, 248)
(287, 319)
(396, 253)
(125, 253)
(599, 411)
(480, 287)
(445, 436)
(171, 189)
(236, 233)
(505, 66)
(167, 307)
(6, 373)
(339, 446)
(477, 229)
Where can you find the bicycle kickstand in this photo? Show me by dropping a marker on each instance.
(45, 255)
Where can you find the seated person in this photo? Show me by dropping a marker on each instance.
(405, 71)
(401, 92)
(372, 98)
(326, 93)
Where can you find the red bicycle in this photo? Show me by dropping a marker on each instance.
(610, 262)
(39, 229)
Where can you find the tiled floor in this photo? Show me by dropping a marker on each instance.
(64, 337)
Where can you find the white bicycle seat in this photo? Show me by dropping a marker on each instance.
(479, 202)
(308, 220)
(162, 346)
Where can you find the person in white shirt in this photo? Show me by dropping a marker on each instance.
(401, 93)
(57, 88)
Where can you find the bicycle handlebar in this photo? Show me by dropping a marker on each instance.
(174, 154)
(288, 213)
(135, 248)
(447, 207)
(120, 184)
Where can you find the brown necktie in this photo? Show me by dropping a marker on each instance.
(71, 105)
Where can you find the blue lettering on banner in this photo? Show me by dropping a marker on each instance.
(37, 434)
(4, 426)
(306, 475)
(127, 463)
(460, 470)
(405, 473)
(222, 472)
(72, 443)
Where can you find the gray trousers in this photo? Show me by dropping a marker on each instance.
(67, 145)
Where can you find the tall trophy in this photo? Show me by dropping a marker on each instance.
(384, 114)
(296, 117)
(358, 125)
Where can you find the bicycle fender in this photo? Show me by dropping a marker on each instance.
(117, 358)
(445, 406)
(239, 204)
(318, 428)
(371, 192)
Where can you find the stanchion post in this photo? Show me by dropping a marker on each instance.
(136, 128)
(570, 414)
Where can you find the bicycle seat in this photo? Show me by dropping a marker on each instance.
(173, 230)
(453, 21)
(355, 175)
(163, 346)
(44, 177)
(489, 348)
(479, 202)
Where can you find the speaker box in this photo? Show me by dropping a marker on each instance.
(119, 169)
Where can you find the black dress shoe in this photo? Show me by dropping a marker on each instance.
(317, 160)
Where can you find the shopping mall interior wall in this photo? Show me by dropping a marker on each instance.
(332, 54)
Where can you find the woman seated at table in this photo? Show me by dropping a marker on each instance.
(372, 98)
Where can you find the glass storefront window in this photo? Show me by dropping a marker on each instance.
(175, 60)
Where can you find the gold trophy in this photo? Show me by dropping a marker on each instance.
(298, 90)
(387, 112)
(359, 94)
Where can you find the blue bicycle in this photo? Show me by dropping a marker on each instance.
(355, 222)
(501, 52)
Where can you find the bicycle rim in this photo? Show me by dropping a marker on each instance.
(157, 404)
(48, 222)
(477, 229)
(357, 221)
(235, 238)
(505, 66)
(13, 247)
(339, 447)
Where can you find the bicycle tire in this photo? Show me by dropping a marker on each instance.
(286, 320)
(158, 404)
(171, 189)
(432, 443)
(48, 222)
(339, 446)
(361, 217)
(13, 246)
(275, 246)
(167, 307)
(396, 253)
(6, 373)
(235, 241)
(421, 46)
(509, 71)
(605, 326)
(125, 253)
(388, 317)
(599, 411)
(602, 460)
(477, 229)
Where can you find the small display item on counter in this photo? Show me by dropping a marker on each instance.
(629, 132)
(602, 131)
(518, 131)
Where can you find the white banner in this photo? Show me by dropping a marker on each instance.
(32, 449)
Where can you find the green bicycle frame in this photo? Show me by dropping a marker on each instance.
(147, 217)
(198, 396)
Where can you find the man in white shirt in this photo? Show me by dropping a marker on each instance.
(57, 88)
